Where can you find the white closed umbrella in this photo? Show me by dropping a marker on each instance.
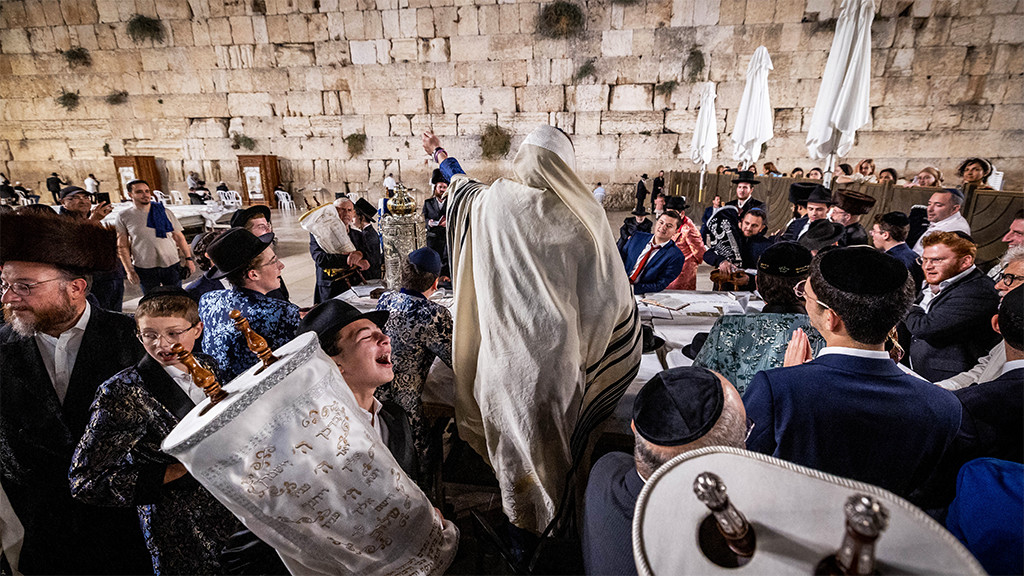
(705, 135)
(843, 101)
(755, 122)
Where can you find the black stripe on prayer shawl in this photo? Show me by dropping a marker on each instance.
(456, 199)
(634, 318)
(603, 405)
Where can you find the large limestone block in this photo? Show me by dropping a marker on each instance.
(501, 99)
(220, 31)
(439, 124)
(631, 97)
(641, 146)
(1007, 117)
(15, 41)
(587, 98)
(294, 55)
(1008, 29)
(257, 104)
(469, 48)
(309, 103)
(523, 123)
(473, 124)
(404, 50)
(363, 52)
(596, 147)
(207, 128)
(681, 121)
(615, 122)
(617, 43)
(462, 100)
(376, 125)
(540, 98)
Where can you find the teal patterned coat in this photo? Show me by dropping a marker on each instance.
(740, 346)
(119, 463)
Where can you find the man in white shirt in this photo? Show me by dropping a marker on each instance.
(92, 185)
(944, 215)
(599, 194)
(389, 182)
(55, 351)
(150, 242)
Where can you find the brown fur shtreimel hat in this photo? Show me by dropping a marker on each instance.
(57, 240)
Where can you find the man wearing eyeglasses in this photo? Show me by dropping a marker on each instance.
(989, 367)
(253, 270)
(55, 351)
(950, 326)
(851, 411)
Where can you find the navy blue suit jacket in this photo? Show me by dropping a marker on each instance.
(792, 233)
(956, 330)
(612, 491)
(662, 267)
(859, 418)
(905, 254)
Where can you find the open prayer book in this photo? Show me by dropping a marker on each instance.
(698, 303)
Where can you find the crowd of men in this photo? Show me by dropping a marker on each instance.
(882, 354)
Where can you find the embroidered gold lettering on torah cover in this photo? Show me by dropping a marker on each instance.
(290, 453)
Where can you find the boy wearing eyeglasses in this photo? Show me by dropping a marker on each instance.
(119, 462)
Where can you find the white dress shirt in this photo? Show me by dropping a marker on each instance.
(184, 381)
(929, 293)
(955, 223)
(59, 354)
(378, 425)
(1012, 365)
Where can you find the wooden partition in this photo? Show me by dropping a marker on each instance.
(135, 168)
(259, 175)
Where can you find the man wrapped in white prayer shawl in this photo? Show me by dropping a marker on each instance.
(547, 333)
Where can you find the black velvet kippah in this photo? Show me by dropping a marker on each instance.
(862, 270)
(167, 291)
(897, 219)
(678, 406)
(786, 259)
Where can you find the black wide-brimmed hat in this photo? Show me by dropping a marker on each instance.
(437, 176)
(641, 211)
(678, 406)
(746, 176)
(234, 250)
(365, 209)
(799, 192)
(677, 203)
(820, 195)
(821, 233)
(241, 217)
(854, 202)
(328, 317)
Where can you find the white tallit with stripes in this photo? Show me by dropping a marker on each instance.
(547, 335)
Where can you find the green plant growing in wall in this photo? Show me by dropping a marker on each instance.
(665, 88)
(242, 141)
(69, 100)
(142, 28)
(560, 19)
(694, 65)
(356, 143)
(586, 69)
(77, 56)
(106, 149)
(116, 97)
(495, 142)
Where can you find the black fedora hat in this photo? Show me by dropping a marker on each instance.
(366, 209)
(234, 250)
(240, 217)
(799, 192)
(641, 211)
(677, 203)
(327, 318)
(820, 195)
(746, 176)
(821, 233)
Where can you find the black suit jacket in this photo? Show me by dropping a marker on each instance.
(400, 438)
(956, 330)
(751, 203)
(38, 437)
(612, 491)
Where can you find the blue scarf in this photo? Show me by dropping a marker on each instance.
(158, 220)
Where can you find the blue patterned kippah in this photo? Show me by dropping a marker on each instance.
(678, 406)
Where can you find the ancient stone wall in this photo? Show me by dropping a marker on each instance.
(298, 76)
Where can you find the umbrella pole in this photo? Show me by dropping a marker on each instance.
(700, 189)
(830, 165)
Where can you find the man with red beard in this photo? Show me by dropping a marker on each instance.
(55, 351)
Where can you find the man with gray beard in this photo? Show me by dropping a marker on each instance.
(55, 351)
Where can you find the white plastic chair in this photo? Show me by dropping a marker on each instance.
(161, 197)
(284, 200)
(230, 198)
(177, 198)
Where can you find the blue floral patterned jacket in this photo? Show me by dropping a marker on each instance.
(275, 320)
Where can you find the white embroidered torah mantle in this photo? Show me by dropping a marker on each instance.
(291, 454)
